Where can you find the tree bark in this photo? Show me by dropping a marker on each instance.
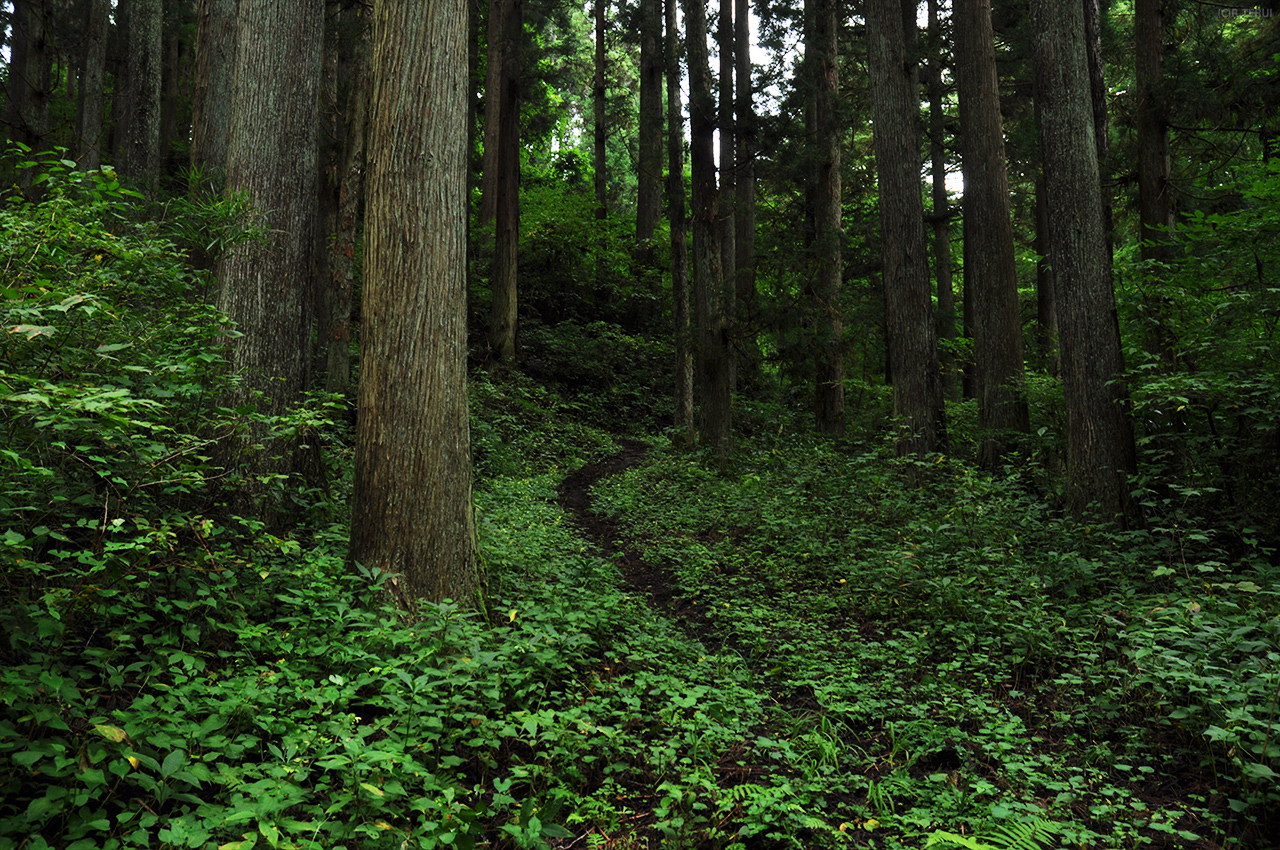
(913, 348)
(822, 58)
(140, 155)
(728, 171)
(412, 512)
(1154, 210)
(714, 384)
(744, 266)
(211, 106)
(1100, 448)
(941, 218)
(598, 102)
(679, 245)
(266, 288)
(28, 85)
(990, 276)
(89, 106)
(649, 177)
(497, 41)
(1098, 93)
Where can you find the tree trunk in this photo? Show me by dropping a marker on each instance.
(497, 43)
(503, 284)
(1100, 449)
(267, 288)
(211, 106)
(28, 84)
(649, 178)
(713, 350)
(823, 61)
(913, 348)
(991, 276)
(1153, 132)
(744, 217)
(598, 102)
(140, 155)
(1046, 308)
(941, 212)
(1098, 97)
(89, 106)
(679, 246)
(412, 514)
(728, 194)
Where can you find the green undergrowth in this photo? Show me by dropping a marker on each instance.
(954, 661)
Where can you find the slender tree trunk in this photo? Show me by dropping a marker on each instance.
(1100, 449)
(1046, 309)
(412, 514)
(141, 152)
(497, 51)
(89, 106)
(913, 347)
(713, 349)
(171, 101)
(744, 267)
(823, 61)
(598, 102)
(728, 171)
(503, 307)
(941, 218)
(211, 106)
(679, 246)
(1153, 132)
(649, 178)
(991, 276)
(267, 288)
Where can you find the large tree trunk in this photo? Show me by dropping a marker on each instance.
(679, 246)
(1046, 308)
(503, 281)
(89, 106)
(747, 363)
(1153, 132)
(941, 218)
(649, 177)
(1098, 97)
(913, 347)
(411, 511)
(714, 375)
(28, 84)
(990, 276)
(497, 44)
(211, 106)
(728, 170)
(267, 287)
(140, 154)
(822, 58)
(1100, 449)
(599, 94)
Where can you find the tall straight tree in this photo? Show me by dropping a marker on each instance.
(215, 68)
(140, 152)
(941, 218)
(744, 211)
(1100, 449)
(822, 58)
(506, 187)
(679, 243)
(90, 103)
(411, 510)
(599, 100)
(649, 176)
(728, 172)
(28, 85)
(912, 340)
(990, 274)
(1154, 209)
(714, 371)
(266, 287)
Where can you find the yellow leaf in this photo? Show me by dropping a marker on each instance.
(111, 733)
(133, 761)
(373, 789)
(381, 824)
(871, 824)
(512, 617)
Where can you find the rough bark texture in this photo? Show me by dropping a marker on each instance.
(492, 114)
(941, 218)
(267, 289)
(913, 348)
(503, 282)
(990, 275)
(140, 155)
(215, 66)
(823, 61)
(411, 512)
(649, 178)
(744, 218)
(679, 245)
(728, 171)
(1046, 308)
(714, 376)
(89, 106)
(28, 84)
(598, 102)
(1098, 98)
(1153, 132)
(1100, 449)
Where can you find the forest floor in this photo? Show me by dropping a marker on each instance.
(1022, 746)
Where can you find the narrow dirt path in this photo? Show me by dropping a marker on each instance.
(653, 580)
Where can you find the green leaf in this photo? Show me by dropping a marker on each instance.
(172, 762)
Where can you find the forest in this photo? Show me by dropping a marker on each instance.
(639, 424)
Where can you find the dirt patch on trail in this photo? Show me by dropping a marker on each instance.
(653, 580)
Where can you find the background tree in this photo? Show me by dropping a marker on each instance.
(990, 276)
(1100, 449)
(912, 341)
(649, 171)
(940, 215)
(140, 151)
(822, 57)
(89, 136)
(215, 66)
(266, 287)
(411, 509)
(679, 246)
